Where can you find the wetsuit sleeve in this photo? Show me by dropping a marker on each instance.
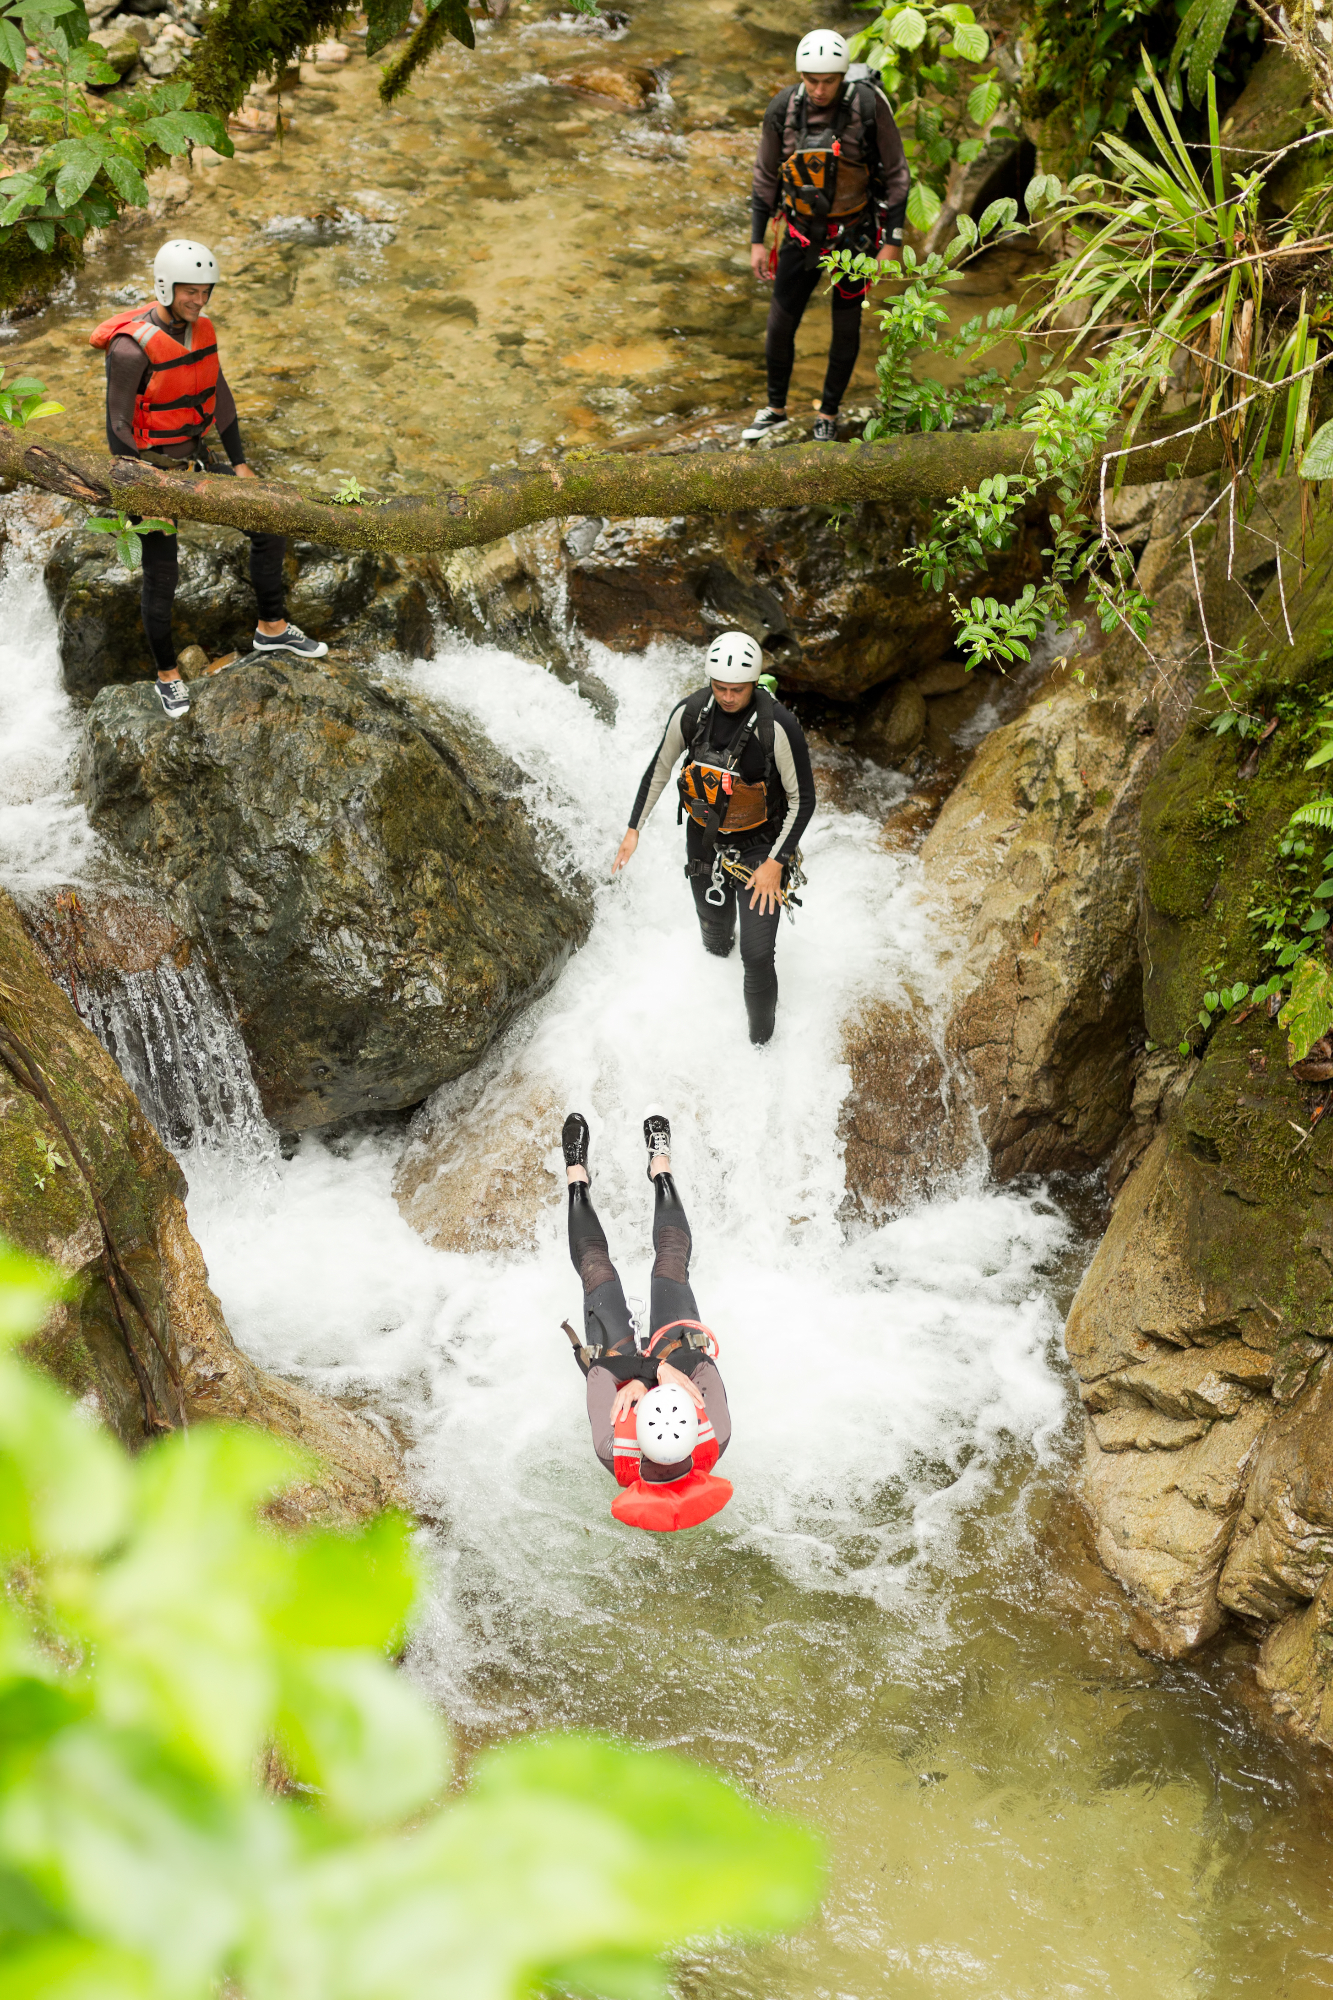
(791, 755)
(896, 178)
(768, 164)
(126, 372)
(709, 1384)
(601, 1394)
(227, 422)
(669, 752)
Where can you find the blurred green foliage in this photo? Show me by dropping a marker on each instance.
(158, 1640)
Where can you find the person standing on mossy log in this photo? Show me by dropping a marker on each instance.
(164, 389)
(831, 166)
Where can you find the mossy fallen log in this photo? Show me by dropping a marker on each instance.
(614, 485)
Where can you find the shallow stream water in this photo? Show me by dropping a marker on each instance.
(895, 1629)
(497, 263)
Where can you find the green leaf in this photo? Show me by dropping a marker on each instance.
(78, 173)
(386, 19)
(998, 215)
(13, 49)
(126, 179)
(1317, 458)
(970, 43)
(363, 1734)
(923, 205)
(983, 102)
(1308, 1013)
(907, 30)
(43, 234)
(28, 1290)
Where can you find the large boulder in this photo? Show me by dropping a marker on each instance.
(1203, 1328)
(370, 603)
(50, 1207)
(1035, 856)
(904, 1133)
(368, 881)
(833, 602)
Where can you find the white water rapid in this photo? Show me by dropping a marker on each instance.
(891, 1629)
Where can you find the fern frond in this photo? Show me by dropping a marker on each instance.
(1317, 812)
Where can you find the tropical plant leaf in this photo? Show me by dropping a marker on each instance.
(907, 30)
(1308, 1013)
(970, 43)
(983, 102)
(1317, 458)
(385, 18)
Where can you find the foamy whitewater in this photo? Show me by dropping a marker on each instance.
(877, 1380)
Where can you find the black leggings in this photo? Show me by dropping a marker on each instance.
(606, 1319)
(161, 572)
(793, 288)
(759, 934)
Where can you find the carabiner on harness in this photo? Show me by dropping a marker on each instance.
(715, 895)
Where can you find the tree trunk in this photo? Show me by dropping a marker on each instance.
(615, 485)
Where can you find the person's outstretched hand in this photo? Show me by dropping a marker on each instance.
(759, 261)
(627, 1395)
(766, 887)
(669, 1377)
(627, 847)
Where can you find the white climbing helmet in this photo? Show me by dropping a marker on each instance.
(735, 656)
(181, 262)
(667, 1425)
(822, 54)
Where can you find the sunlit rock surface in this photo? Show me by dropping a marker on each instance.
(371, 889)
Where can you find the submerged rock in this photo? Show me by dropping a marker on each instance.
(370, 603)
(48, 1208)
(371, 889)
(480, 1182)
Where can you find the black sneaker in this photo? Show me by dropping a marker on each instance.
(575, 1138)
(765, 420)
(656, 1137)
(826, 429)
(174, 697)
(293, 640)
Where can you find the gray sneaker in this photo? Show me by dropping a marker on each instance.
(174, 697)
(765, 420)
(293, 640)
(826, 429)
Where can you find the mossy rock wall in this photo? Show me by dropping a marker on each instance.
(1214, 813)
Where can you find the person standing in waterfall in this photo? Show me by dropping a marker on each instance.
(831, 164)
(746, 785)
(658, 1412)
(164, 388)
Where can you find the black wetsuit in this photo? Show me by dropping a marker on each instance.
(607, 1323)
(791, 802)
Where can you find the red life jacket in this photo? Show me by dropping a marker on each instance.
(683, 1503)
(179, 398)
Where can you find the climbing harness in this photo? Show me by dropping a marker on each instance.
(712, 793)
(828, 180)
(727, 861)
(697, 1336)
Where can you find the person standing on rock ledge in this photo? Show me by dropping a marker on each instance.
(747, 788)
(164, 388)
(831, 163)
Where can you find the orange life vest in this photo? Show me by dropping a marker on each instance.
(681, 1504)
(180, 396)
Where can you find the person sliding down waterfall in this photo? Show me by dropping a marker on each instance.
(747, 783)
(164, 387)
(659, 1413)
(831, 161)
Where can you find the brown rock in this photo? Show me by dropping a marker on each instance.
(478, 1182)
(945, 677)
(1284, 1538)
(900, 1123)
(895, 725)
(1293, 1666)
(623, 84)
(46, 1206)
(1163, 1521)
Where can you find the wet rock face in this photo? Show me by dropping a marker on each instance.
(372, 892)
(903, 1130)
(47, 1207)
(371, 604)
(837, 611)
